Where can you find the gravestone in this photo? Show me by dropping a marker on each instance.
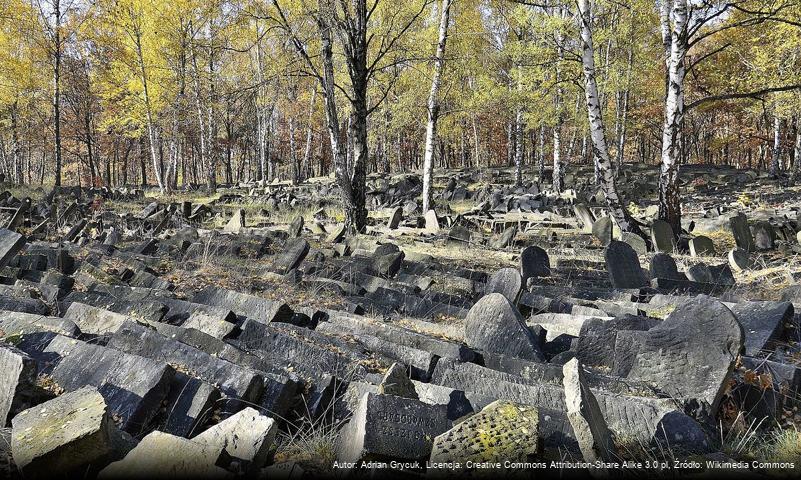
(432, 222)
(663, 266)
(236, 223)
(294, 252)
(397, 382)
(17, 381)
(739, 259)
(506, 238)
(65, 433)
(395, 218)
(390, 426)
(495, 325)
(636, 242)
(602, 230)
(700, 273)
(624, 266)
(585, 217)
(690, 355)
(702, 246)
(662, 237)
(534, 262)
(296, 227)
(10, 244)
(502, 431)
(741, 232)
(764, 236)
(763, 324)
(507, 282)
(585, 416)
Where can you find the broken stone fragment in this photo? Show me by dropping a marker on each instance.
(397, 382)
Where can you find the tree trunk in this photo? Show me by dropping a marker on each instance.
(775, 164)
(669, 200)
(600, 149)
(433, 108)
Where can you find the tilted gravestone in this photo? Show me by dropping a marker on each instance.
(395, 218)
(636, 242)
(741, 232)
(585, 217)
(584, 413)
(739, 259)
(624, 266)
(294, 252)
(296, 227)
(495, 325)
(432, 222)
(764, 236)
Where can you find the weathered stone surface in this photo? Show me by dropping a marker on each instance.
(71, 431)
(236, 223)
(161, 455)
(495, 325)
(593, 435)
(235, 382)
(702, 246)
(507, 282)
(296, 227)
(595, 345)
(388, 426)
(691, 354)
(662, 237)
(19, 323)
(396, 382)
(585, 217)
(700, 273)
(249, 306)
(624, 266)
(502, 431)
(395, 218)
(635, 241)
(764, 236)
(534, 262)
(432, 222)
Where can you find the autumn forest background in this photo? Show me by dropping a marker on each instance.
(201, 92)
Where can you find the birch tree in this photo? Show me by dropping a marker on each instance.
(433, 106)
(600, 150)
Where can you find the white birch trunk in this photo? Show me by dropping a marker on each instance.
(433, 107)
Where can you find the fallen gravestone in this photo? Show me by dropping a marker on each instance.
(688, 356)
(502, 432)
(294, 252)
(10, 244)
(17, 381)
(388, 426)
